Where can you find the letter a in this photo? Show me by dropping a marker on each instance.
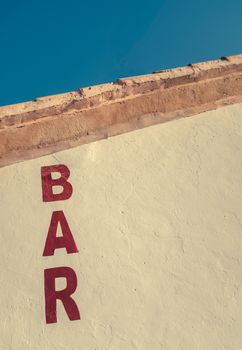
(65, 241)
(51, 295)
(48, 183)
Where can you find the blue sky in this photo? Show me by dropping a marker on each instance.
(52, 46)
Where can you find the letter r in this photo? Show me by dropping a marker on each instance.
(51, 295)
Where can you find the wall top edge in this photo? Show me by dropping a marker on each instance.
(93, 96)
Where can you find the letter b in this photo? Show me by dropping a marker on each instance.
(48, 183)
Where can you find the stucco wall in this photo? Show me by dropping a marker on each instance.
(157, 218)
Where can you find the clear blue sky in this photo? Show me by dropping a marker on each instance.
(49, 47)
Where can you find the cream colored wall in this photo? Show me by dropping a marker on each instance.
(157, 217)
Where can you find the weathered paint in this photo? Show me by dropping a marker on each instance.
(156, 215)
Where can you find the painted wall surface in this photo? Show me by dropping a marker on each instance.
(156, 215)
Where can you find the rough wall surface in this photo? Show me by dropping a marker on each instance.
(157, 218)
(53, 123)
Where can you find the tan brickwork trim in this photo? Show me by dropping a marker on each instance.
(50, 124)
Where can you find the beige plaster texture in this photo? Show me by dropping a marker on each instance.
(157, 218)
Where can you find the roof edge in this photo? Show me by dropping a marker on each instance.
(54, 123)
